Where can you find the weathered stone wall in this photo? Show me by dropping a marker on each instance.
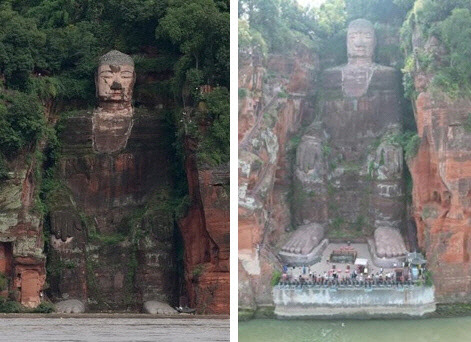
(112, 234)
(21, 233)
(441, 173)
(205, 232)
(348, 175)
(270, 113)
(332, 302)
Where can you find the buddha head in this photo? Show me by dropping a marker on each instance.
(361, 41)
(115, 78)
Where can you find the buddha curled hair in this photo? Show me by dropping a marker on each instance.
(116, 57)
(363, 23)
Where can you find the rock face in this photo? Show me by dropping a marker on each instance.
(349, 172)
(441, 173)
(113, 238)
(22, 261)
(205, 232)
(270, 114)
(338, 175)
(70, 306)
(158, 308)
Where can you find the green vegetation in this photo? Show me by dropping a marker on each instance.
(449, 21)
(274, 25)
(44, 307)
(49, 51)
(337, 222)
(22, 123)
(467, 125)
(275, 277)
(108, 239)
(245, 314)
(3, 282)
(452, 310)
(10, 306)
(197, 272)
(428, 279)
(242, 93)
(359, 223)
(214, 143)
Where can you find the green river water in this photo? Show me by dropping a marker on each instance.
(413, 330)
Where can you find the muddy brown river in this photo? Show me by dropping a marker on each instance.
(113, 329)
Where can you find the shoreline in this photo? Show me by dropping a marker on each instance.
(111, 315)
(442, 311)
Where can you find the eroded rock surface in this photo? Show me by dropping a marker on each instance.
(70, 306)
(349, 172)
(154, 307)
(22, 261)
(113, 241)
(267, 122)
(205, 232)
(441, 173)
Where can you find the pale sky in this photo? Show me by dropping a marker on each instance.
(315, 3)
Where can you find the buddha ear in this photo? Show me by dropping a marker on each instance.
(134, 75)
(96, 83)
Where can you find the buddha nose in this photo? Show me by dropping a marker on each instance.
(116, 86)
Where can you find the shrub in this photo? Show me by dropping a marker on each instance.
(197, 272)
(467, 126)
(44, 307)
(213, 148)
(9, 306)
(428, 280)
(3, 282)
(22, 122)
(412, 146)
(275, 278)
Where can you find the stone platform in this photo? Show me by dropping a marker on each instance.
(311, 301)
(322, 264)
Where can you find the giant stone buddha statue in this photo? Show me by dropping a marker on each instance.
(112, 120)
(349, 172)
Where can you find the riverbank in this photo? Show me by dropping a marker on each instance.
(452, 310)
(121, 315)
(442, 311)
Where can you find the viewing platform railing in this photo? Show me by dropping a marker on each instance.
(349, 284)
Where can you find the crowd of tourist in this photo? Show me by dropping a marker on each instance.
(357, 277)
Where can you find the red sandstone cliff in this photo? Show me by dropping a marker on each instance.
(205, 232)
(22, 261)
(441, 173)
(272, 98)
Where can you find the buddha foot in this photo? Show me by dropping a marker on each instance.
(304, 239)
(389, 243)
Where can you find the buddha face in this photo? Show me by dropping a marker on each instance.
(361, 42)
(115, 82)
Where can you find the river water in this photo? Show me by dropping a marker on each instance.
(113, 330)
(416, 330)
